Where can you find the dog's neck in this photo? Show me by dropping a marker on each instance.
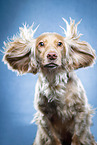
(53, 84)
(55, 76)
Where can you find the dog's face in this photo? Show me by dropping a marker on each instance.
(50, 49)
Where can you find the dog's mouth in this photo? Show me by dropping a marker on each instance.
(51, 65)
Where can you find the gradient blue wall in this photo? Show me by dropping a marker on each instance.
(17, 93)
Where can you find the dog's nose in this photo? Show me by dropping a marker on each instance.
(52, 56)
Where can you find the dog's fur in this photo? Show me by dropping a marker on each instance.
(63, 113)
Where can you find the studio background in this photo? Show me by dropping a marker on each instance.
(17, 92)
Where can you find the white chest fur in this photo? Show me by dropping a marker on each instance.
(50, 90)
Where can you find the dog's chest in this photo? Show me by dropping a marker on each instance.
(50, 95)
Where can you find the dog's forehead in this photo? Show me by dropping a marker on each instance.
(49, 36)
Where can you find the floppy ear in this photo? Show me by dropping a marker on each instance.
(80, 53)
(19, 53)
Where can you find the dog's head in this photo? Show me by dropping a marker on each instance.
(48, 51)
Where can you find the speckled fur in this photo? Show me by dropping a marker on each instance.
(63, 111)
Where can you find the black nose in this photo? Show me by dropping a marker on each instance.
(52, 56)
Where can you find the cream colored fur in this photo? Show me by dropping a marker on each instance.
(63, 114)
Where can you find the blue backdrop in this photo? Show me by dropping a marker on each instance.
(17, 93)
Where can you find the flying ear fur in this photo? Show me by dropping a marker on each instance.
(80, 53)
(19, 53)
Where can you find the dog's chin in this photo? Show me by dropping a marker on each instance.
(51, 66)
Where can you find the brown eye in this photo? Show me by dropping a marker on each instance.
(41, 44)
(60, 44)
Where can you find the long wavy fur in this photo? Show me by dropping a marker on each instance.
(20, 51)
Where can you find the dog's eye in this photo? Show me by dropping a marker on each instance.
(59, 44)
(41, 44)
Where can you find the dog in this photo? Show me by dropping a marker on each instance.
(63, 114)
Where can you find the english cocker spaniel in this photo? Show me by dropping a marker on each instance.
(63, 113)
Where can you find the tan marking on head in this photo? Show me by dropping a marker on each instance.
(49, 47)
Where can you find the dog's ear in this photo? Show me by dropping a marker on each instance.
(80, 53)
(19, 53)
